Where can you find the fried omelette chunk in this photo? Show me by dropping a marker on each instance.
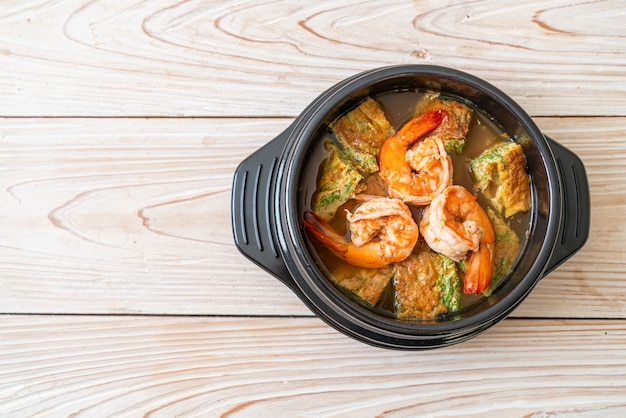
(453, 130)
(426, 285)
(361, 132)
(500, 174)
(507, 246)
(364, 285)
(339, 181)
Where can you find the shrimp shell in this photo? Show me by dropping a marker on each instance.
(451, 240)
(416, 171)
(383, 232)
(455, 224)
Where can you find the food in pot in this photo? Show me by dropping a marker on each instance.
(453, 130)
(370, 244)
(507, 245)
(361, 132)
(500, 173)
(383, 232)
(339, 182)
(455, 225)
(426, 284)
(365, 285)
(417, 174)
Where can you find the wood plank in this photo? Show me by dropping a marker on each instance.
(133, 216)
(137, 366)
(129, 218)
(597, 270)
(217, 58)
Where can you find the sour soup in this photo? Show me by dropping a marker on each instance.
(353, 171)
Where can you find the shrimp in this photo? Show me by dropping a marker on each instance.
(416, 175)
(383, 232)
(455, 224)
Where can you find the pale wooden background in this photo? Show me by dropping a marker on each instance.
(121, 291)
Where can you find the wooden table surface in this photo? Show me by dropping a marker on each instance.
(121, 290)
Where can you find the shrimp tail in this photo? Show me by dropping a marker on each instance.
(376, 243)
(365, 256)
(478, 273)
(418, 127)
(412, 185)
(325, 234)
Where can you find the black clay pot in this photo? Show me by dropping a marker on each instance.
(267, 209)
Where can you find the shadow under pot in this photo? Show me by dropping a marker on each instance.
(273, 188)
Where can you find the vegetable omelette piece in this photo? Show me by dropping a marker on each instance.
(339, 181)
(365, 285)
(427, 285)
(448, 281)
(506, 249)
(500, 173)
(362, 132)
(453, 130)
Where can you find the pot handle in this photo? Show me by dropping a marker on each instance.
(252, 210)
(576, 206)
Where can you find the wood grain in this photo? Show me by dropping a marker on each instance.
(130, 218)
(121, 291)
(133, 216)
(599, 268)
(271, 58)
(136, 366)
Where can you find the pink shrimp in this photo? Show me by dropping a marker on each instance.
(455, 224)
(416, 175)
(383, 232)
